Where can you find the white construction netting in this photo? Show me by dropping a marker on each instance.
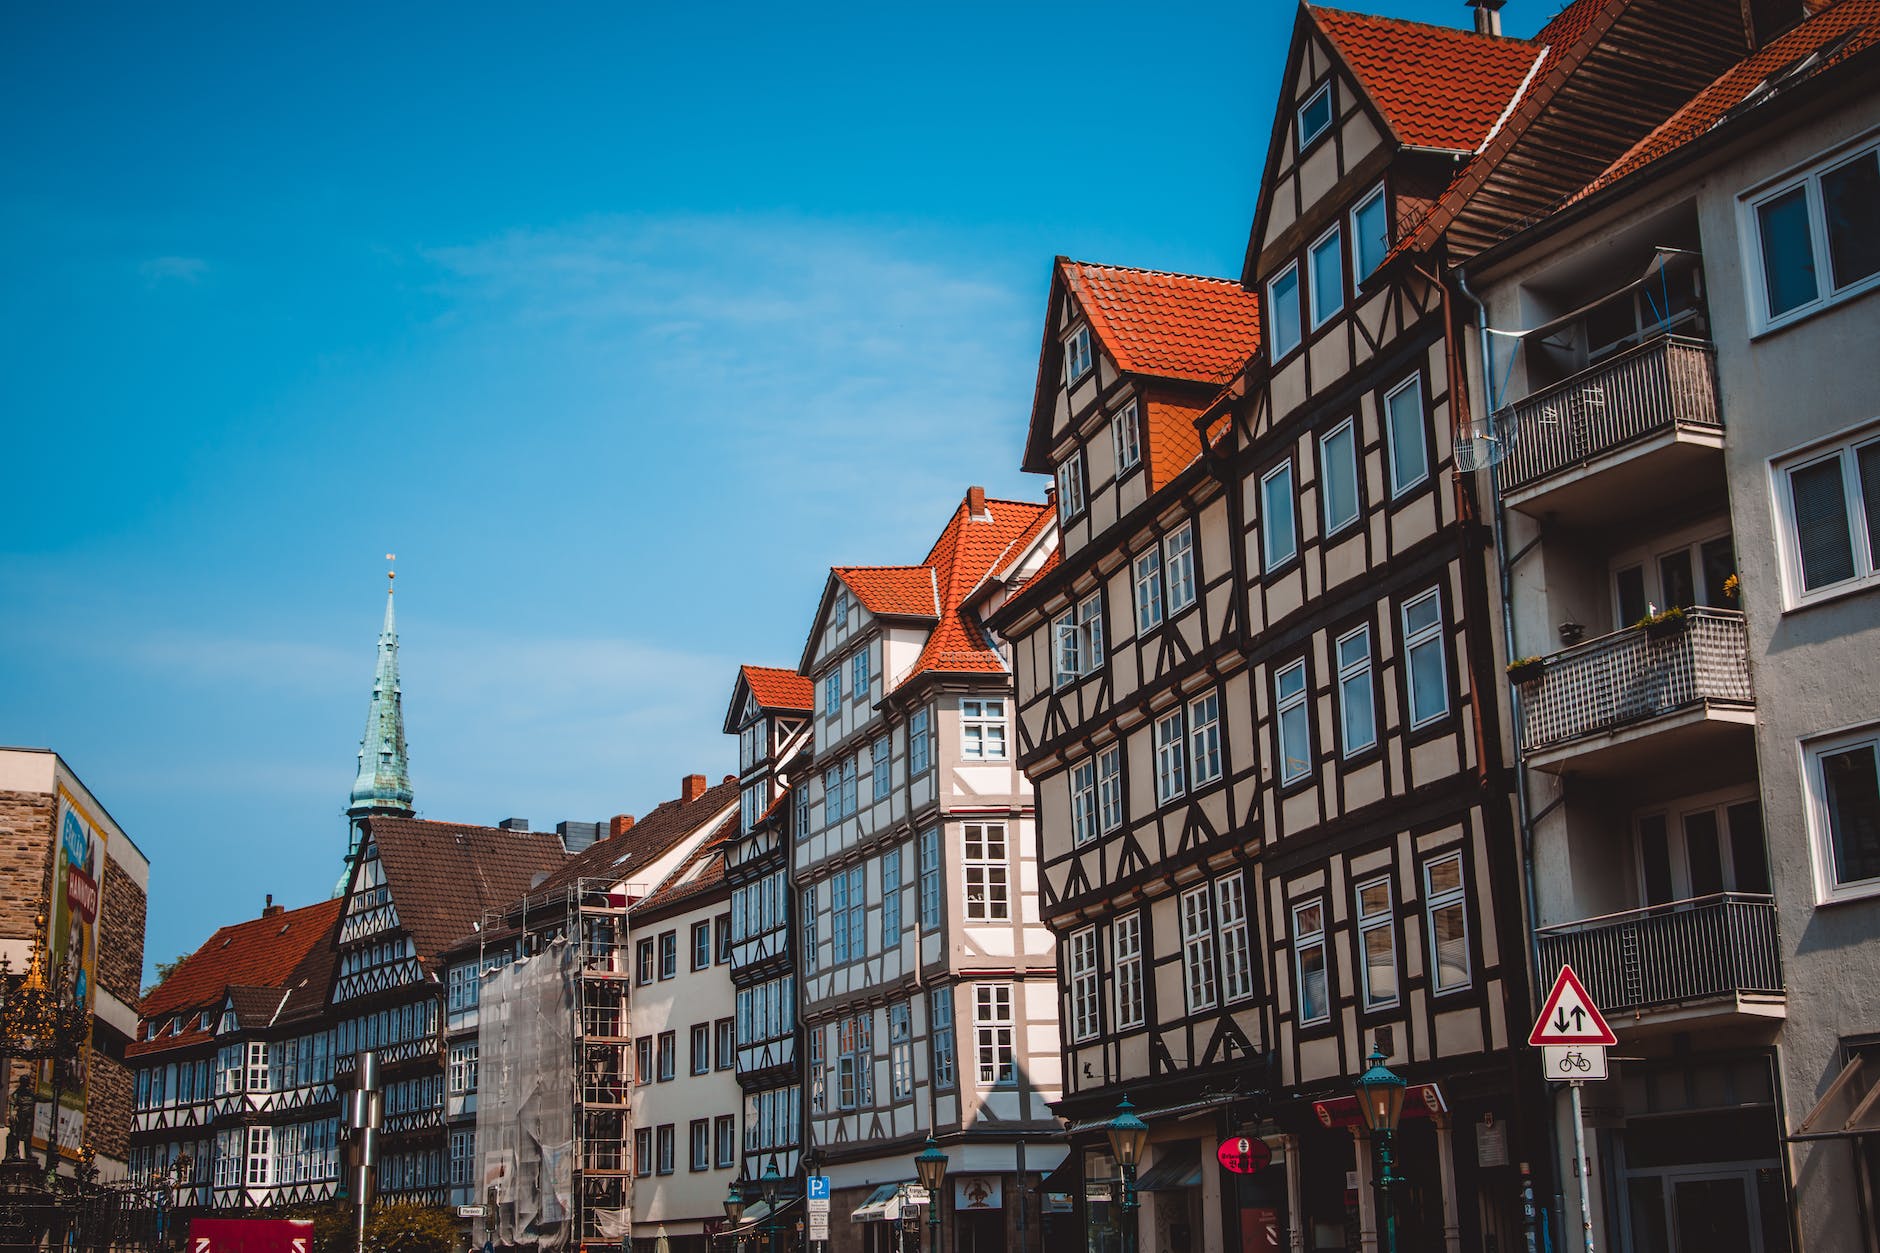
(526, 1101)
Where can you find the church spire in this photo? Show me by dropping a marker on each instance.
(383, 785)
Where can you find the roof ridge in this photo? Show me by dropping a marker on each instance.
(1138, 269)
(1472, 33)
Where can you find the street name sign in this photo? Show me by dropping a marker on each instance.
(1568, 1016)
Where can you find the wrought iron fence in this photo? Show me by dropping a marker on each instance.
(1685, 951)
(1663, 384)
(1635, 674)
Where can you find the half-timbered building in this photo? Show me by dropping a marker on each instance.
(929, 986)
(770, 714)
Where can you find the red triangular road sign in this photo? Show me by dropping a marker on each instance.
(1568, 1016)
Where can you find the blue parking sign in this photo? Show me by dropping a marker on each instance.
(818, 1187)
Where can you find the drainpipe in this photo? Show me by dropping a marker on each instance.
(1524, 821)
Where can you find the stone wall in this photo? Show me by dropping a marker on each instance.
(108, 1107)
(25, 845)
(121, 908)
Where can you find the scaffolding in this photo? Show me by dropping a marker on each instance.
(554, 1117)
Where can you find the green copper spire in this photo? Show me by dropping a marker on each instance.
(384, 782)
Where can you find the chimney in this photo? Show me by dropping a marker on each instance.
(692, 787)
(514, 824)
(1487, 16)
(976, 502)
(619, 824)
(270, 909)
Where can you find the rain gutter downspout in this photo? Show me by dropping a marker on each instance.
(1523, 822)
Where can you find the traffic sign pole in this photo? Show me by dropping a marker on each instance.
(1570, 1023)
(1579, 1166)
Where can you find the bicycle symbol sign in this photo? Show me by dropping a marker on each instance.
(1573, 1063)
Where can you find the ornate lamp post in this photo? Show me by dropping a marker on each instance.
(930, 1164)
(734, 1209)
(1380, 1099)
(1128, 1135)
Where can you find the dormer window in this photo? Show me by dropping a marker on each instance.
(1126, 428)
(1077, 354)
(1070, 485)
(1315, 116)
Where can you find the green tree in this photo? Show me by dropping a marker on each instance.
(411, 1229)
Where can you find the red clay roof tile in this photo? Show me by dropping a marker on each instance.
(1177, 326)
(774, 687)
(893, 591)
(968, 550)
(260, 953)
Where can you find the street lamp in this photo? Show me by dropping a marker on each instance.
(1129, 1135)
(734, 1205)
(771, 1184)
(930, 1165)
(1380, 1100)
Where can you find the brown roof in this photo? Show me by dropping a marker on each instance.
(445, 875)
(698, 875)
(618, 858)
(262, 952)
(774, 687)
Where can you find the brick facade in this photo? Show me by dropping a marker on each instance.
(25, 848)
(121, 911)
(108, 1107)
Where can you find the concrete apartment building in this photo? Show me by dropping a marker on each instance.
(928, 983)
(73, 892)
(1684, 421)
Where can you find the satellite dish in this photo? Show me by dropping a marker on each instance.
(1478, 448)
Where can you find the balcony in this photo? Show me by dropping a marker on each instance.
(1602, 443)
(1640, 700)
(1711, 959)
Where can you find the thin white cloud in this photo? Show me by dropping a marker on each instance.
(173, 269)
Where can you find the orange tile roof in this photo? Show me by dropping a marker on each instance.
(261, 952)
(1173, 441)
(1176, 326)
(970, 548)
(1050, 563)
(1858, 20)
(893, 591)
(1437, 86)
(774, 687)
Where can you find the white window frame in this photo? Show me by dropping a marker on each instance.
(1090, 634)
(1110, 788)
(1416, 642)
(1086, 1020)
(1306, 139)
(1070, 485)
(1845, 451)
(1079, 357)
(880, 769)
(994, 1036)
(1413, 387)
(858, 676)
(1276, 349)
(1171, 774)
(919, 742)
(1126, 435)
(1083, 785)
(1126, 968)
(1178, 569)
(1335, 238)
(1828, 890)
(986, 873)
(1272, 559)
(1146, 577)
(1375, 920)
(1749, 231)
(1308, 934)
(1355, 676)
(463, 1067)
(1359, 271)
(1200, 959)
(1348, 470)
(1435, 901)
(1292, 706)
(982, 721)
(1232, 922)
(832, 692)
(941, 1039)
(1204, 740)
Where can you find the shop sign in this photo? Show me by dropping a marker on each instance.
(1059, 1203)
(1420, 1100)
(1491, 1142)
(977, 1192)
(1244, 1155)
(1096, 1192)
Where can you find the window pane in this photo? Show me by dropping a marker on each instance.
(1867, 459)
(1312, 1006)
(1370, 235)
(1328, 278)
(1380, 966)
(1315, 116)
(1452, 946)
(1788, 252)
(1702, 852)
(1718, 557)
(1852, 800)
(1276, 516)
(1655, 855)
(1283, 310)
(1749, 859)
(1338, 452)
(1294, 744)
(1631, 585)
(1675, 582)
(1428, 697)
(1821, 532)
(1359, 718)
(1408, 459)
(1850, 201)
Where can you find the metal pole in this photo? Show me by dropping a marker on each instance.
(1579, 1166)
(1383, 1189)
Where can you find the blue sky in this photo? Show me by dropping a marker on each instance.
(619, 324)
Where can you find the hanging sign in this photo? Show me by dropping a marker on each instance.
(1568, 1016)
(1244, 1155)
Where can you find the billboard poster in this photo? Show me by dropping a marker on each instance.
(72, 965)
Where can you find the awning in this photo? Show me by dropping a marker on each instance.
(1064, 1177)
(1179, 1166)
(1850, 1106)
(884, 1203)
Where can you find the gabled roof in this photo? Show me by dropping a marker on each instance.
(444, 875)
(774, 687)
(1152, 323)
(970, 548)
(1436, 86)
(1820, 43)
(699, 876)
(620, 858)
(892, 591)
(260, 953)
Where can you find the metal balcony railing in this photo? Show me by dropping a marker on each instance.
(1664, 384)
(1685, 951)
(1636, 674)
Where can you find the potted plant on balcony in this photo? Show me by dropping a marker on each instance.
(1733, 588)
(1665, 625)
(1526, 670)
